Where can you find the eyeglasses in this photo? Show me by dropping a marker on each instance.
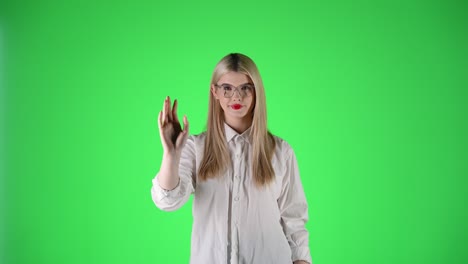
(244, 90)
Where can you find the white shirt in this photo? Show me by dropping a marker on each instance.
(234, 222)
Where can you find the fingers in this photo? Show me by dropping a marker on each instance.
(163, 114)
(168, 109)
(167, 113)
(160, 120)
(168, 116)
(161, 132)
(186, 125)
(174, 111)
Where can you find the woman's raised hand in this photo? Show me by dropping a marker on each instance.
(173, 137)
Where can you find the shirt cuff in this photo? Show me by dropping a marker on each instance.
(301, 253)
(170, 200)
(163, 193)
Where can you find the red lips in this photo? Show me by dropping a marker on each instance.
(236, 106)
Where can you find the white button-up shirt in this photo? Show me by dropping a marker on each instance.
(235, 222)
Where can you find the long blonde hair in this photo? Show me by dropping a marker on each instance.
(216, 154)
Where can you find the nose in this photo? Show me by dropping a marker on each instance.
(236, 94)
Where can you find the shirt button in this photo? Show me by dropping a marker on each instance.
(236, 199)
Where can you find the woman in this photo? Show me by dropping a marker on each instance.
(249, 205)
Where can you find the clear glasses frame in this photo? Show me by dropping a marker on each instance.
(244, 90)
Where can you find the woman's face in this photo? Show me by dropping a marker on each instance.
(241, 96)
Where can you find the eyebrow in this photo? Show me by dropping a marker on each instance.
(238, 85)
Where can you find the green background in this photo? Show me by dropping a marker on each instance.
(372, 95)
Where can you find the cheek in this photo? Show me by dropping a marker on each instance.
(223, 102)
(252, 102)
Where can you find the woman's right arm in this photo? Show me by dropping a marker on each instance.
(166, 184)
(173, 138)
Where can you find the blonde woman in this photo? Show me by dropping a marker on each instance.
(249, 206)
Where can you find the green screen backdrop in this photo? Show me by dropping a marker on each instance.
(372, 96)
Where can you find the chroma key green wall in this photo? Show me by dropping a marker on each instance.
(372, 95)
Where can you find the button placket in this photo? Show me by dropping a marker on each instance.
(238, 163)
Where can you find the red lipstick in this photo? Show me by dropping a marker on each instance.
(236, 106)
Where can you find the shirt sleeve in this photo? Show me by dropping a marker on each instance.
(294, 210)
(170, 200)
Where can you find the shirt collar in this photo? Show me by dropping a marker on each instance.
(231, 133)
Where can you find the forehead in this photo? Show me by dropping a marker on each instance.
(234, 78)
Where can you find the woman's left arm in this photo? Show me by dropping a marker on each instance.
(294, 211)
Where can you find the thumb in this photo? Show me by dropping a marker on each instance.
(181, 139)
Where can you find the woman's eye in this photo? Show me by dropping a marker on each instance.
(227, 88)
(247, 87)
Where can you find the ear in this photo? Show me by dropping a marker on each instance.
(213, 91)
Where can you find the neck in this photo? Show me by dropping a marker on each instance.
(240, 125)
